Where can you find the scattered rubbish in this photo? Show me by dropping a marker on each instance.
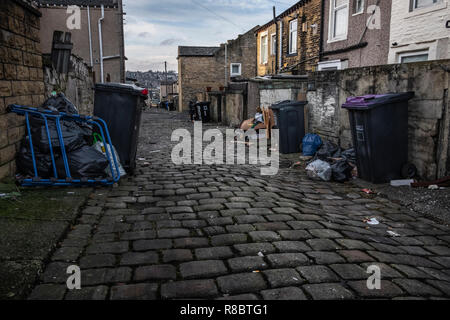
(256, 271)
(2, 195)
(294, 278)
(70, 193)
(297, 164)
(142, 159)
(400, 183)
(433, 187)
(100, 146)
(393, 234)
(305, 158)
(319, 170)
(10, 195)
(311, 143)
(260, 254)
(368, 191)
(372, 221)
(444, 182)
(155, 151)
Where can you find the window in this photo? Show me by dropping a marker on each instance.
(264, 49)
(416, 56)
(332, 65)
(273, 44)
(417, 4)
(358, 6)
(293, 36)
(236, 69)
(338, 20)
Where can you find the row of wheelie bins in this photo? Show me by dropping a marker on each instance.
(200, 111)
(379, 125)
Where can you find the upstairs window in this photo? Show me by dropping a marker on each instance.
(236, 69)
(358, 6)
(293, 36)
(338, 20)
(264, 49)
(417, 4)
(273, 44)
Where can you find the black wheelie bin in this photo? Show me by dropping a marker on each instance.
(290, 120)
(120, 105)
(379, 125)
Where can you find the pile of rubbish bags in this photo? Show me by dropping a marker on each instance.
(86, 157)
(329, 162)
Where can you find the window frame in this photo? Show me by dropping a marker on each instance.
(330, 65)
(262, 36)
(415, 2)
(331, 22)
(361, 10)
(291, 49)
(401, 55)
(232, 74)
(273, 48)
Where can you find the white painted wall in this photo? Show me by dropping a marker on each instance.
(421, 29)
(270, 96)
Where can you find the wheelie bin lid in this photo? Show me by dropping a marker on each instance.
(122, 88)
(288, 103)
(371, 101)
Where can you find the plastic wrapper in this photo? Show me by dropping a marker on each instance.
(99, 146)
(319, 170)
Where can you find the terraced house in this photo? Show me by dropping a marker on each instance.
(291, 43)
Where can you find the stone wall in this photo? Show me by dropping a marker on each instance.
(197, 73)
(21, 76)
(77, 85)
(429, 120)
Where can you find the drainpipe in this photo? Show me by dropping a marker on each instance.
(226, 64)
(101, 43)
(90, 36)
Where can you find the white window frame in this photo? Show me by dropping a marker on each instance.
(292, 48)
(273, 48)
(361, 10)
(415, 7)
(261, 57)
(331, 24)
(332, 65)
(233, 74)
(401, 55)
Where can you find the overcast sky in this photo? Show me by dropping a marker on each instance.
(155, 28)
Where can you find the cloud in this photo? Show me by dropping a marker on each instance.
(155, 28)
(169, 42)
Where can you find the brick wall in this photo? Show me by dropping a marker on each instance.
(308, 40)
(21, 76)
(196, 73)
(420, 29)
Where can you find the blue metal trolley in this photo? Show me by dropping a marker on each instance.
(49, 115)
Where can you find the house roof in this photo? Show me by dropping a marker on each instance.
(285, 13)
(65, 3)
(184, 51)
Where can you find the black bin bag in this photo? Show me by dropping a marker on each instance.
(24, 162)
(85, 162)
(61, 104)
(73, 135)
(341, 171)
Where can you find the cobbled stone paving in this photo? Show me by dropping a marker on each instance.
(226, 232)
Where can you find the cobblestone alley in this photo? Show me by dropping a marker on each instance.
(226, 232)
